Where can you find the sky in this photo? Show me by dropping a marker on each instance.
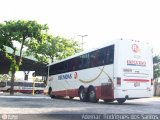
(101, 20)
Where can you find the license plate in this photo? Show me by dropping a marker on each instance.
(137, 84)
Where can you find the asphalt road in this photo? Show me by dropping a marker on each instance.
(44, 108)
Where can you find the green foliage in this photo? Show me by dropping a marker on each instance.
(67, 47)
(21, 31)
(156, 66)
(14, 67)
(34, 36)
(5, 37)
(5, 40)
(53, 48)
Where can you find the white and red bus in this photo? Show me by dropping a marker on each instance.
(121, 70)
(23, 86)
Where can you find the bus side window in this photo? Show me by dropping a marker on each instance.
(16, 84)
(110, 54)
(94, 58)
(8, 83)
(37, 85)
(51, 70)
(101, 57)
(30, 85)
(70, 65)
(73, 66)
(84, 61)
(76, 63)
(2, 84)
(80, 63)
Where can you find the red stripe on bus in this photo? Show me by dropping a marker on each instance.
(102, 92)
(136, 80)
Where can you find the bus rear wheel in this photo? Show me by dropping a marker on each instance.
(8, 90)
(83, 95)
(92, 95)
(50, 93)
(71, 97)
(37, 92)
(121, 100)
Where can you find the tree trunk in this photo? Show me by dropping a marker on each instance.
(18, 62)
(52, 59)
(13, 71)
(12, 83)
(155, 87)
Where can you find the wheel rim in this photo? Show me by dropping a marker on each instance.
(82, 94)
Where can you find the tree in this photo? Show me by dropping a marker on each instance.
(67, 47)
(55, 48)
(6, 40)
(156, 68)
(21, 31)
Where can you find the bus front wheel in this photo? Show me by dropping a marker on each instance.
(121, 100)
(50, 93)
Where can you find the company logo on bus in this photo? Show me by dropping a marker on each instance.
(135, 48)
(75, 75)
(136, 63)
(65, 77)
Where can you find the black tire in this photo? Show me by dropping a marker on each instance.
(8, 90)
(71, 97)
(92, 95)
(50, 93)
(83, 95)
(121, 100)
(37, 92)
(110, 100)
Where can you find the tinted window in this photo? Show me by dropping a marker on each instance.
(8, 83)
(110, 55)
(101, 57)
(51, 70)
(96, 58)
(73, 64)
(2, 84)
(84, 61)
